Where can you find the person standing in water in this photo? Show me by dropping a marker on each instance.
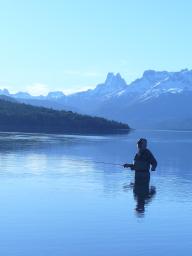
(144, 161)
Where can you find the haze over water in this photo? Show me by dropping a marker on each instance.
(56, 200)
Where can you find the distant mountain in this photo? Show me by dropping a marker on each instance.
(4, 92)
(155, 100)
(113, 85)
(54, 100)
(17, 117)
(7, 98)
(47, 103)
(55, 95)
(22, 95)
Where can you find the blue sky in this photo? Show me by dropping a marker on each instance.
(71, 45)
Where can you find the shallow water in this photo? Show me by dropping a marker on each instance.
(55, 199)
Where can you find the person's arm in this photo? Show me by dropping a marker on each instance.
(153, 162)
(131, 166)
(128, 166)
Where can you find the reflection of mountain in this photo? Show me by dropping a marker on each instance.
(147, 102)
(17, 117)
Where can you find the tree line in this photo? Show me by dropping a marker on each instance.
(26, 118)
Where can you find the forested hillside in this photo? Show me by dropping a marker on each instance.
(19, 117)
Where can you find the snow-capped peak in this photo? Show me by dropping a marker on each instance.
(175, 82)
(55, 95)
(22, 95)
(112, 85)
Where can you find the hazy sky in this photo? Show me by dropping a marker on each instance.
(71, 45)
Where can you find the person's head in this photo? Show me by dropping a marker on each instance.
(142, 144)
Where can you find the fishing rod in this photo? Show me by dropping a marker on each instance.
(122, 165)
(101, 162)
(98, 162)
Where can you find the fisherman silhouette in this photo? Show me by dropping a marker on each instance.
(144, 161)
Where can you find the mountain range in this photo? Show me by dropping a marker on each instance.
(159, 99)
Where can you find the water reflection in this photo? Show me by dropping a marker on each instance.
(57, 200)
(143, 194)
(142, 191)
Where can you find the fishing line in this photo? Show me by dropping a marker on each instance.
(96, 162)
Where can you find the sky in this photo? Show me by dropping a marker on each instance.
(63, 45)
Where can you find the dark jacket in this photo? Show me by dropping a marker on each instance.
(143, 160)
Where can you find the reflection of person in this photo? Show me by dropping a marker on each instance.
(144, 161)
(142, 192)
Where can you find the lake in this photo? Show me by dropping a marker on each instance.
(56, 198)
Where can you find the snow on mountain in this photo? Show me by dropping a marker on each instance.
(115, 91)
(142, 101)
(55, 95)
(151, 84)
(113, 85)
(21, 95)
(149, 79)
(175, 82)
(145, 102)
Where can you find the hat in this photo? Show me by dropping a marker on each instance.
(142, 141)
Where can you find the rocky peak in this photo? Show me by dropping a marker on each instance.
(115, 81)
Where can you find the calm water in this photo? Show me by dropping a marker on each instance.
(53, 202)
